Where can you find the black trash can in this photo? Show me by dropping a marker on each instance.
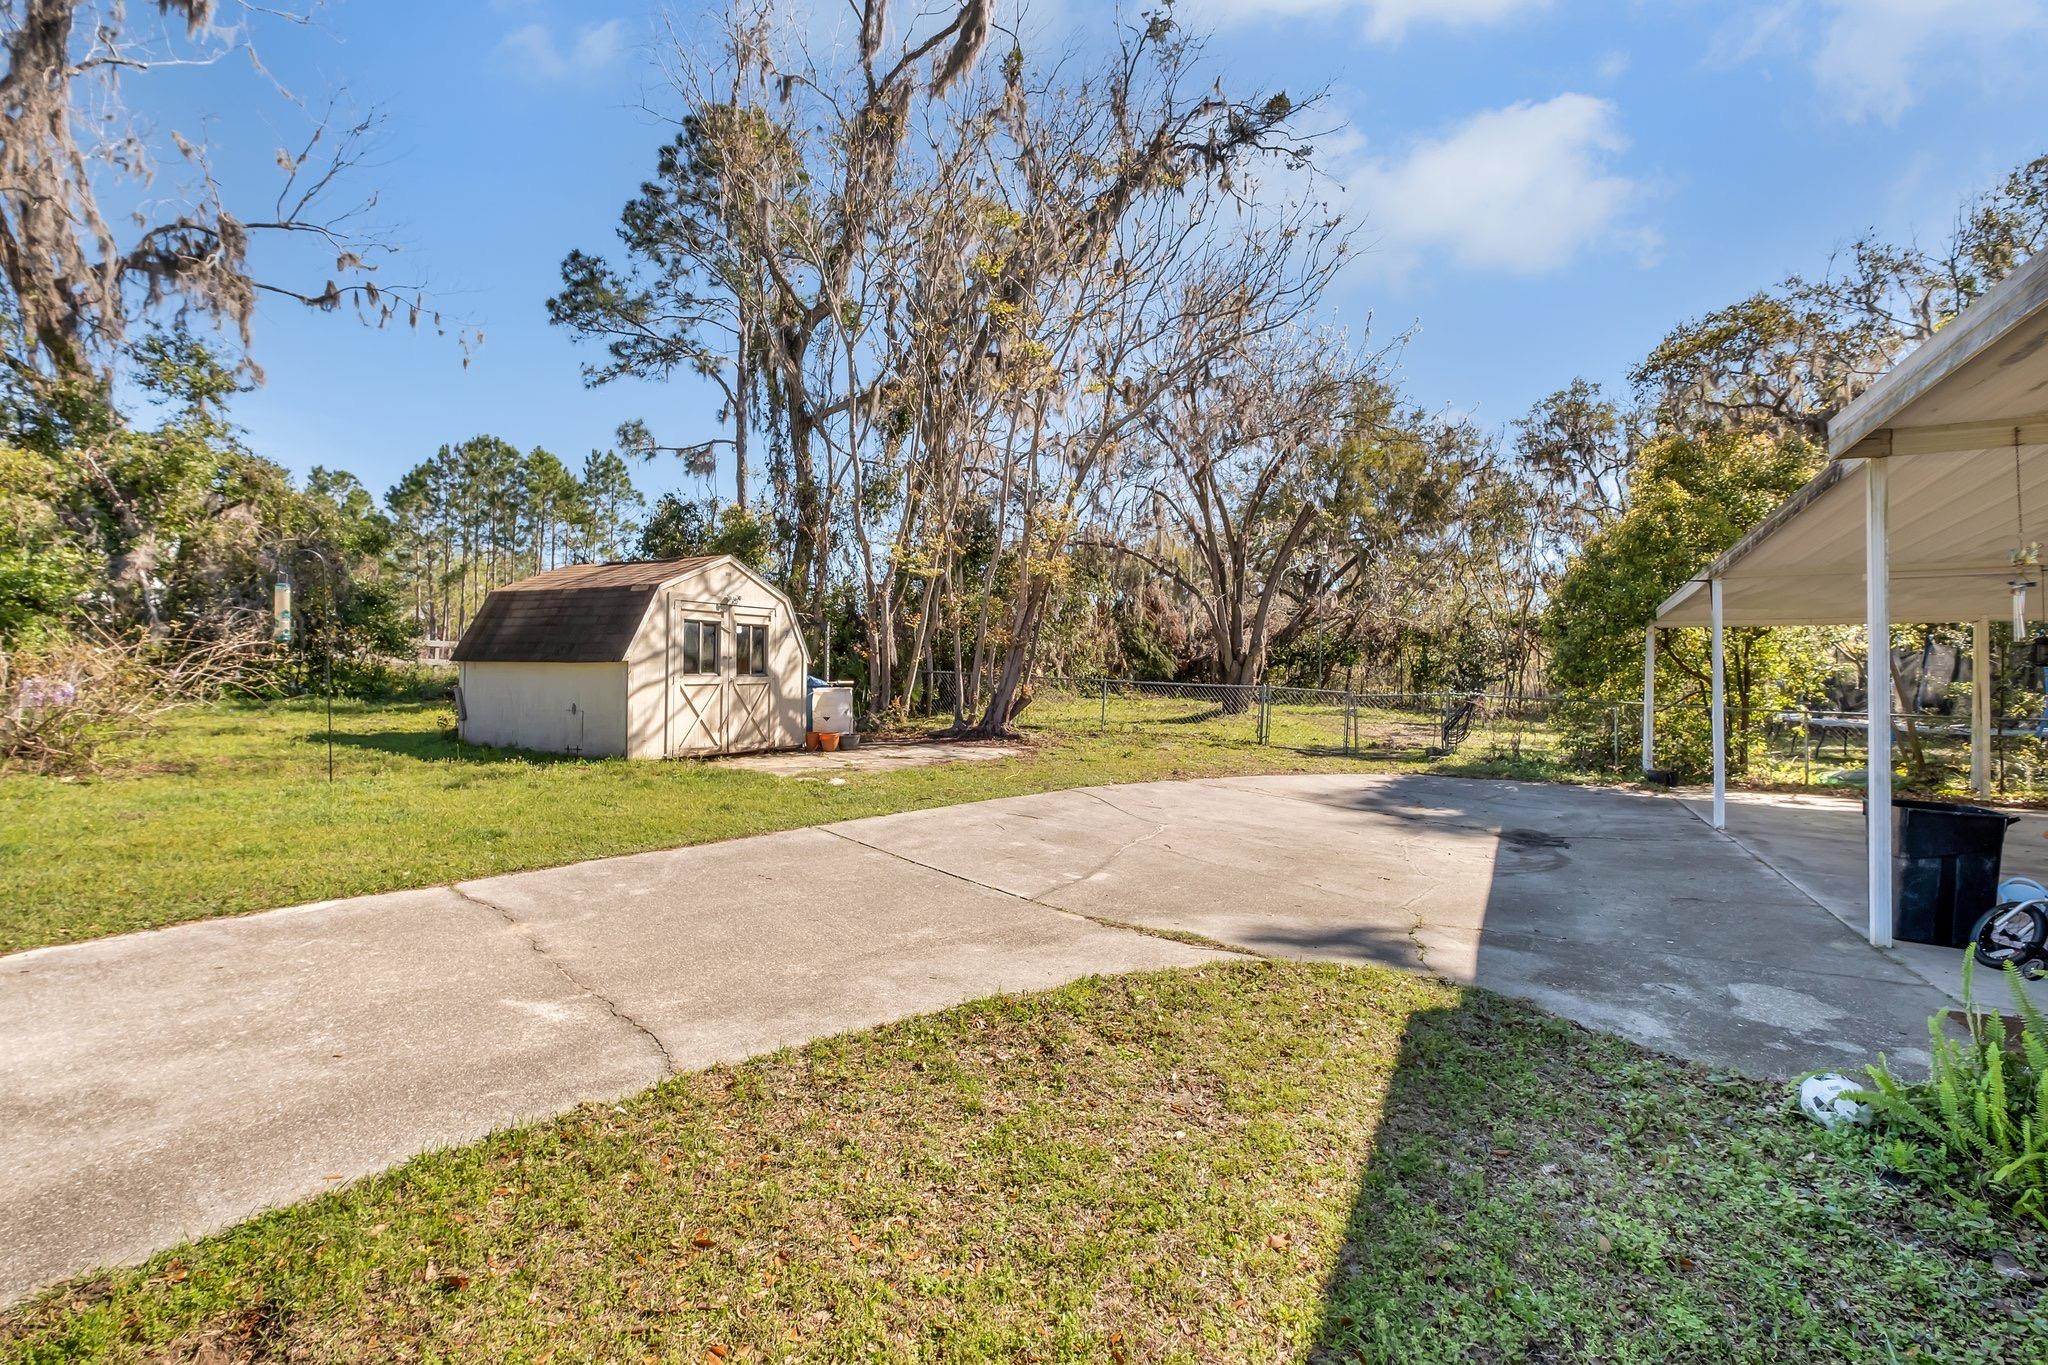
(1945, 858)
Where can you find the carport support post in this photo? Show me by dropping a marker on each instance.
(1878, 702)
(1980, 708)
(1720, 712)
(1649, 698)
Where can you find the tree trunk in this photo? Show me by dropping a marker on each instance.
(743, 384)
(953, 598)
(1240, 677)
(1003, 698)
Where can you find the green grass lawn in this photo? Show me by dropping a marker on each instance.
(1256, 1161)
(228, 808)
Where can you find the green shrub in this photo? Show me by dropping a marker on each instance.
(402, 680)
(1980, 1119)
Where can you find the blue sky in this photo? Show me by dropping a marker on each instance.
(1546, 186)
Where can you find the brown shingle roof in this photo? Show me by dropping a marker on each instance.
(584, 614)
(638, 573)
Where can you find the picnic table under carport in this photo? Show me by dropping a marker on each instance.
(1928, 512)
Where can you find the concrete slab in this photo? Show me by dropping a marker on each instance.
(1616, 909)
(874, 757)
(158, 1085)
(732, 950)
(1816, 843)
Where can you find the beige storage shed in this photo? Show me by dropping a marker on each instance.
(668, 659)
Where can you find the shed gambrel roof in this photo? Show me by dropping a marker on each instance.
(584, 614)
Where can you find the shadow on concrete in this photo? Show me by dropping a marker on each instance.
(1615, 909)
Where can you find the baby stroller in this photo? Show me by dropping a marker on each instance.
(2015, 931)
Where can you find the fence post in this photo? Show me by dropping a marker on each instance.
(1265, 714)
(1104, 723)
(1614, 727)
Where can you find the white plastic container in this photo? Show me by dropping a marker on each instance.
(832, 710)
(1825, 1100)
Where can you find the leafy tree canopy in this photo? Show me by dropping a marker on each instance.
(1690, 498)
(678, 528)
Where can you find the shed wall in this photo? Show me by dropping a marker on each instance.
(724, 590)
(527, 706)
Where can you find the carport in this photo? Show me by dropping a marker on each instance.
(1929, 511)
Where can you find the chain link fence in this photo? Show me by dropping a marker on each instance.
(1778, 747)
(1388, 725)
(1546, 736)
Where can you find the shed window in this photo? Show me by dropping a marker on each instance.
(700, 646)
(750, 651)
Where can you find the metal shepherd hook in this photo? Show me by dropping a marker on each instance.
(327, 653)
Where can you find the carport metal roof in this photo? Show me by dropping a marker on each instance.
(1934, 479)
(1961, 405)
(1953, 530)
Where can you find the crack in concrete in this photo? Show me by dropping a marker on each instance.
(1096, 793)
(1412, 933)
(1158, 828)
(1524, 940)
(1416, 924)
(1179, 936)
(612, 1007)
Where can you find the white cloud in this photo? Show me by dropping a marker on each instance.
(1875, 59)
(1876, 56)
(1383, 20)
(1522, 190)
(533, 52)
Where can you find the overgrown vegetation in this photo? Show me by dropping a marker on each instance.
(1978, 1123)
(1233, 1163)
(75, 698)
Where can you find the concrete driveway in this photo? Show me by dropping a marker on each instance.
(160, 1085)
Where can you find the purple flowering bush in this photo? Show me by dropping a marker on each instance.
(63, 702)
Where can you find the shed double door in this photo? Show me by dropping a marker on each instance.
(721, 691)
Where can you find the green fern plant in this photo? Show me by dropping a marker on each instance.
(1982, 1112)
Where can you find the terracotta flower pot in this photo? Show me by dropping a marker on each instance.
(829, 741)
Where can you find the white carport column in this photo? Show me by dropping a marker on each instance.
(1720, 716)
(1649, 698)
(1878, 704)
(1980, 708)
